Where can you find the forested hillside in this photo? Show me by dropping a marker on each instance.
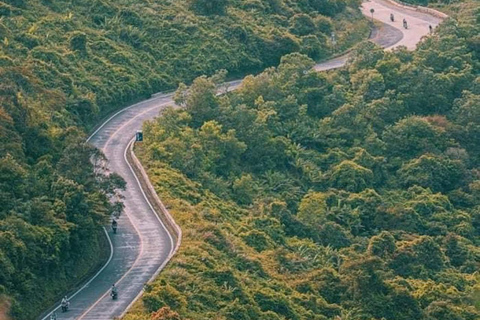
(65, 64)
(353, 194)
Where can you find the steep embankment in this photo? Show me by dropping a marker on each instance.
(142, 245)
(64, 64)
(352, 195)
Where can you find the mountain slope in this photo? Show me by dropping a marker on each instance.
(65, 64)
(352, 195)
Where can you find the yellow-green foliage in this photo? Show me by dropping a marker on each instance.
(316, 196)
(98, 55)
(66, 64)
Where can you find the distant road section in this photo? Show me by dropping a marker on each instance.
(142, 244)
(418, 22)
(390, 34)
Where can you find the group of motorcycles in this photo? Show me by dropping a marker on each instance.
(405, 25)
(392, 18)
(65, 304)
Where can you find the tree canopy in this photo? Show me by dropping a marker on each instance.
(351, 194)
(65, 65)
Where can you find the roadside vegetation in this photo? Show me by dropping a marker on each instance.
(66, 64)
(352, 194)
(433, 3)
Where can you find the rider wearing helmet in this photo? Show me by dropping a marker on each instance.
(114, 291)
(114, 225)
(65, 304)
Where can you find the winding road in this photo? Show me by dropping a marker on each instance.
(143, 245)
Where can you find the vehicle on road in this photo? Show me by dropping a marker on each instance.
(114, 292)
(114, 225)
(65, 304)
(405, 23)
(392, 17)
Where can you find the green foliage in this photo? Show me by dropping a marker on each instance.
(432, 172)
(313, 209)
(244, 189)
(414, 136)
(346, 195)
(269, 300)
(165, 313)
(257, 240)
(64, 65)
(50, 222)
(162, 297)
(350, 176)
(332, 234)
(78, 42)
(302, 24)
(209, 7)
(382, 245)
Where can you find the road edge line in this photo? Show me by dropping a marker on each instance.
(151, 190)
(135, 165)
(92, 278)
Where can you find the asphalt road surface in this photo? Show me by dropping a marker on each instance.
(142, 245)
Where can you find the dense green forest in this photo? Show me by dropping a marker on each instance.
(352, 194)
(66, 64)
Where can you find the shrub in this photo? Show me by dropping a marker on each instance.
(382, 245)
(209, 7)
(332, 234)
(268, 300)
(257, 240)
(165, 313)
(302, 24)
(350, 176)
(163, 296)
(78, 42)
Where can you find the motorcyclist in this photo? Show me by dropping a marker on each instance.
(114, 292)
(405, 23)
(114, 225)
(392, 18)
(65, 304)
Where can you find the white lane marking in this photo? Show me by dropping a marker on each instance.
(106, 233)
(172, 245)
(93, 278)
(167, 95)
(235, 86)
(126, 273)
(143, 193)
(133, 118)
(111, 246)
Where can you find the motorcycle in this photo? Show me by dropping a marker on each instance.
(65, 304)
(114, 295)
(114, 226)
